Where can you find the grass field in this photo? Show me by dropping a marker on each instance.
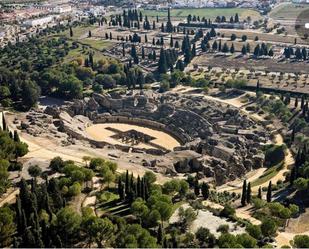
(268, 175)
(288, 11)
(211, 13)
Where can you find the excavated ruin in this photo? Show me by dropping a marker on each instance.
(216, 140)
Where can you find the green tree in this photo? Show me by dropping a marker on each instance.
(34, 171)
(30, 94)
(98, 230)
(254, 231)
(7, 226)
(301, 241)
(244, 193)
(248, 197)
(68, 223)
(139, 209)
(205, 190)
(268, 227)
(269, 192)
(186, 217)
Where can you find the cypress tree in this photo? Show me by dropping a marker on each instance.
(205, 190)
(248, 199)
(160, 235)
(232, 49)
(214, 45)
(269, 192)
(260, 193)
(71, 32)
(244, 193)
(162, 62)
(171, 42)
(293, 175)
(244, 50)
(120, 189)
(16, 136)
(89, 33)
(4, 126)
(143, 53)
(123, 50)
(296, 102)
(169, 25)
(127, 186)
(196, 187)
(139, 186)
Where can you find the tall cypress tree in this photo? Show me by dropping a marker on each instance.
(205, 190)
(244, 193)
(248, 197)
(196, 187)
(162, 68)
(269, 192)
(4, 126)
(260, 193)
(127, 184)
(160, 235)
(169, 25)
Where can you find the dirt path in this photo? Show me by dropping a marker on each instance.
(9, 197)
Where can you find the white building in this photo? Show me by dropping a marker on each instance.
(62, 9)
(38, 22)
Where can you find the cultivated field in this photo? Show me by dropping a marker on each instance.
(211, 13)
(288, 11)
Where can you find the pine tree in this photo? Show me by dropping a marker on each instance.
(244, 193)
(248, 197)
(269, 192)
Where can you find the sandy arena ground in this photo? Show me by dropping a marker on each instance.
(100, 132)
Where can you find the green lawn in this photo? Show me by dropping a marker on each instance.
(288, 11)
(268, 175)
(211, 13)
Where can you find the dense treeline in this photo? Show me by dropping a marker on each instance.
(11, 148)
(36, 67)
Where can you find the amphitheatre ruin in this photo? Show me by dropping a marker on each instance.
(173, 133)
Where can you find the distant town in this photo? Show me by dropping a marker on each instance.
(19, 21)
